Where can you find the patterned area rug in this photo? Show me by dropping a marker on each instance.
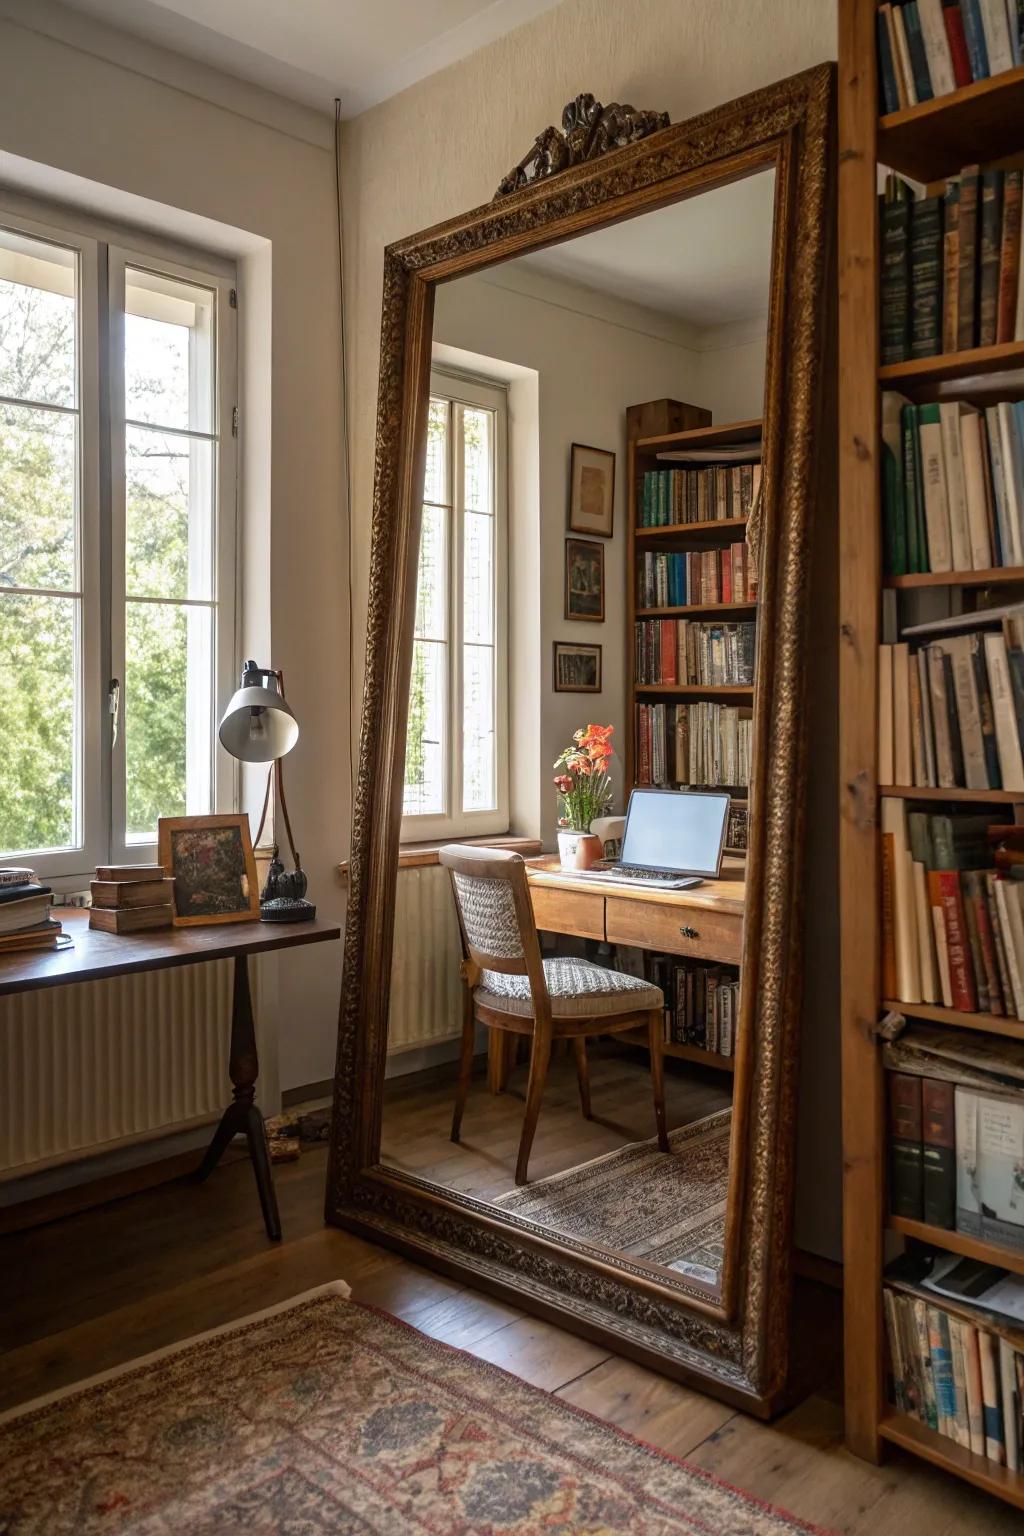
(665, 1207)
(324, 1418)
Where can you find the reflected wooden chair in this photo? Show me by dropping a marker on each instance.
(507, 986)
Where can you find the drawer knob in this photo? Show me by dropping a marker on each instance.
(688, 932)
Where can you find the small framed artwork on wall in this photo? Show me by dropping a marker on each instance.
(584, 580)
(577, 668)
(592, 491)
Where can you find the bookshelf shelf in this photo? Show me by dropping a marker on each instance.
(728, 434)
(676, 535)
(684, 1052)
(989, 1023)
(982, 121)
(723, 610)
(700, 690)
(958, 1242)
(998, 576)
(1006, 357)
(902, 1430)
(955, 796)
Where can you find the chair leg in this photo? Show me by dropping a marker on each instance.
(656, 1026)
(540, 1055)
(497, 1059)
(579, 1047)
(465, 1063)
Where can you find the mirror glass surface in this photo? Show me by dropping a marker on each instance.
(534, 622)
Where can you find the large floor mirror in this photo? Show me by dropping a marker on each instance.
(596, 487)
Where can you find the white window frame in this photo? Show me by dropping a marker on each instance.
(469, 390)
(102, 253)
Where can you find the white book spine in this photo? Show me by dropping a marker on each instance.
(885, 718)
(974, 489)
(968, 712)
(908, 964)
(930, 985)
(995, 454)
(997, 35)
(942, 956)
(1011, 479)
(902, 762)
(1013, 940)
(903, 57)
(1011, 760)
(956, 496)
(1011, 1418)
(927, 728)
(936, 47)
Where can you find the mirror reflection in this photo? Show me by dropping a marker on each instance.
(565, 999)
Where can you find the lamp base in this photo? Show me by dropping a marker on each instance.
(287, 909)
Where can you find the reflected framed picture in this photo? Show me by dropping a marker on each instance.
(584, 580)
(592, 491)
(577, 668)
(211, 861)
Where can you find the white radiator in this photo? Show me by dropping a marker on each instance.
(91, 1067)
(426, 999)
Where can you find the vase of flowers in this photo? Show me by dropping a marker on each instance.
(585, 792)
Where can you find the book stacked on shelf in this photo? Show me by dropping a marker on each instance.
(709, 493)
(929, 48)
(131, 898)
(951, 265)
(952, 485)
(956, 1132)
(952, 911)
(705, 745)
(701, 576)
(701, 999)
(25, 913)
(955, 1351)
(684, 651)
(951, 710)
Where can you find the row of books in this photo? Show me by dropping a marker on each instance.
(956, 1132)
(958, 1371)
(701, 1000)
(951, 713)
(685, 651)
(929, 48)
(952, 919)
(26, 920)
(951, 265)
(707, 494)
(704, 745)
(952, 485)
(131, 898)
(700, 576)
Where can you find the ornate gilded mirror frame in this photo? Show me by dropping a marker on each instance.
(734, 1341)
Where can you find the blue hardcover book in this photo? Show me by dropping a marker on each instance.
(886, 67)
(974, 32)
(915, 47)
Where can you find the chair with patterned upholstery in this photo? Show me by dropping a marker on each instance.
(507, 986)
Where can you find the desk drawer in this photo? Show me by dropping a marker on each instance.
(578, 912)
(658, 925)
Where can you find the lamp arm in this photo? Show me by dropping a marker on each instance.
(279, 785)
(266, 807)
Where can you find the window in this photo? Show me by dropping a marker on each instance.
(116, 545)
(456, 771)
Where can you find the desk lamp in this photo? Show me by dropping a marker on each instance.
(258, 726)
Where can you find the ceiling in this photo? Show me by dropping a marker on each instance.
(361, 51)
(706, 261)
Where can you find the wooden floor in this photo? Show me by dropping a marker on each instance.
(92, 1290)
(418, 1117)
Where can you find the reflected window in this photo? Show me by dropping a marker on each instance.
(455, 772)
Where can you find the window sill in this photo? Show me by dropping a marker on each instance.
(420, 855)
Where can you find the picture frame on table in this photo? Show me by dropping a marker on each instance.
(592, 491)
(576, 668)
(584, 580)
(211, 861)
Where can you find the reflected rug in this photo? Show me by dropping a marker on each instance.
(665, 1207)
(322, 1416)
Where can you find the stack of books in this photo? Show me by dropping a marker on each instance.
(706, 745)
(25, 920)
(952, 485)
(955, 1339)
(701, 576)
(951, 265)
(929, 48)
(951, 710)
(708, 494)
(683, 651)
(131, 898)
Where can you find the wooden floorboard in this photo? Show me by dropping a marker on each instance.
(97, 1289)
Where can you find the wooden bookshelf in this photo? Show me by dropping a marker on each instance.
(721, 610)
(996, 576)
(927, 143)
(694, 1053)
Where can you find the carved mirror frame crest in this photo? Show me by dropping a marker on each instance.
(732, 1341)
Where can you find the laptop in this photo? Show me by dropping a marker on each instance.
(673, 840)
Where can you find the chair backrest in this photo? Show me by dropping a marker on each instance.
(495, 912)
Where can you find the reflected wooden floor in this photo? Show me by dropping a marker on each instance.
(418, 1117)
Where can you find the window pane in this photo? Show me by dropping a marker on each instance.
(168, 515)
(435, 485)
(477, 427)
(425, 769)
(168, 352)
(478, 793)
(478, 578)
(38, 651)
(432, 578)
(168, 714)
(37, 320)
(37, 498)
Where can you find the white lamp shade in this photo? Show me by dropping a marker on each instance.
(258, 725)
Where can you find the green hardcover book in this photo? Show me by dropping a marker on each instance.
(921, 526)
(917, 546)
(967, 273)
(989, 251)
(894, 219)
(921, 850)
(894, 508)
(926, 277)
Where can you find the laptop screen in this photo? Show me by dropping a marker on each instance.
(670, 829)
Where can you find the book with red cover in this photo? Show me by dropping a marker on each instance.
(957, 44)
(667, 642)
(944, 892)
